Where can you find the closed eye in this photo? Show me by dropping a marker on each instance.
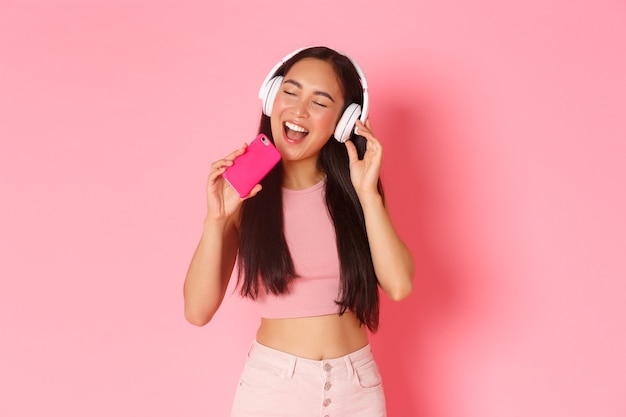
(299, 86)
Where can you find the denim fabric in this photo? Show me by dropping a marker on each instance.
(277, 384)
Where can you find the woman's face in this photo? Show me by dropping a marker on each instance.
(306, 110)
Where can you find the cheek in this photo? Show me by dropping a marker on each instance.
(329, 121)
(276, 127)
(280, 104)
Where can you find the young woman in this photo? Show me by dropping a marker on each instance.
(313, 242)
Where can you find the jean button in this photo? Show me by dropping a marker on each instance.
(327, 386)
(326, 402)
(327, 367)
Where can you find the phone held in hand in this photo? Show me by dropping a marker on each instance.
(252, 166)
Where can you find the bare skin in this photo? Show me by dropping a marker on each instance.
(319, 337)
(312, 99)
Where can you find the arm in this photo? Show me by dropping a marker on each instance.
(209, 271)
(213, 261)
(392, 259)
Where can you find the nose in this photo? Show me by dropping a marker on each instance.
(300, 108)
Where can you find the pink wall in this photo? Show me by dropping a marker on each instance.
(505, 134)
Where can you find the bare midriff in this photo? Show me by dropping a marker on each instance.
(320, 337)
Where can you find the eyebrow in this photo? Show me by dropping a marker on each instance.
(319, 93)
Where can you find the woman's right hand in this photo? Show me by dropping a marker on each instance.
(222, 199)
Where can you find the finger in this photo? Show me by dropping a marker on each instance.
(363, 130)
(360, 128)
(255, 190)
(228, 159)
(352, 153)
(221, 163)
(373, 142)
(237, 152)
(216, 174)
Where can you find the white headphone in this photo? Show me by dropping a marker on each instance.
(345, 126)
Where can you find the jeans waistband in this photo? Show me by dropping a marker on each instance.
(291, 364)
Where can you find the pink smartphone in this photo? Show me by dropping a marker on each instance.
(250, 168)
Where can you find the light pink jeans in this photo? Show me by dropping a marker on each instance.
(277, 384)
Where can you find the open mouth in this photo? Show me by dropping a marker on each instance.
(294, 132)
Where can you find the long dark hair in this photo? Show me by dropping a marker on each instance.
(264, 260)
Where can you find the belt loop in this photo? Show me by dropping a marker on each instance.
(291, 368)
(251, 347)
(349, 367)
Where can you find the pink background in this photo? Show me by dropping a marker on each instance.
(505, 133)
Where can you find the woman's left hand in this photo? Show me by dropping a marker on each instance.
(365, 172)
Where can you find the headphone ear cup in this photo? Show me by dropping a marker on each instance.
(346, 123)
(269, 94)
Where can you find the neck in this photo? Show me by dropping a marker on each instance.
(298, 176)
